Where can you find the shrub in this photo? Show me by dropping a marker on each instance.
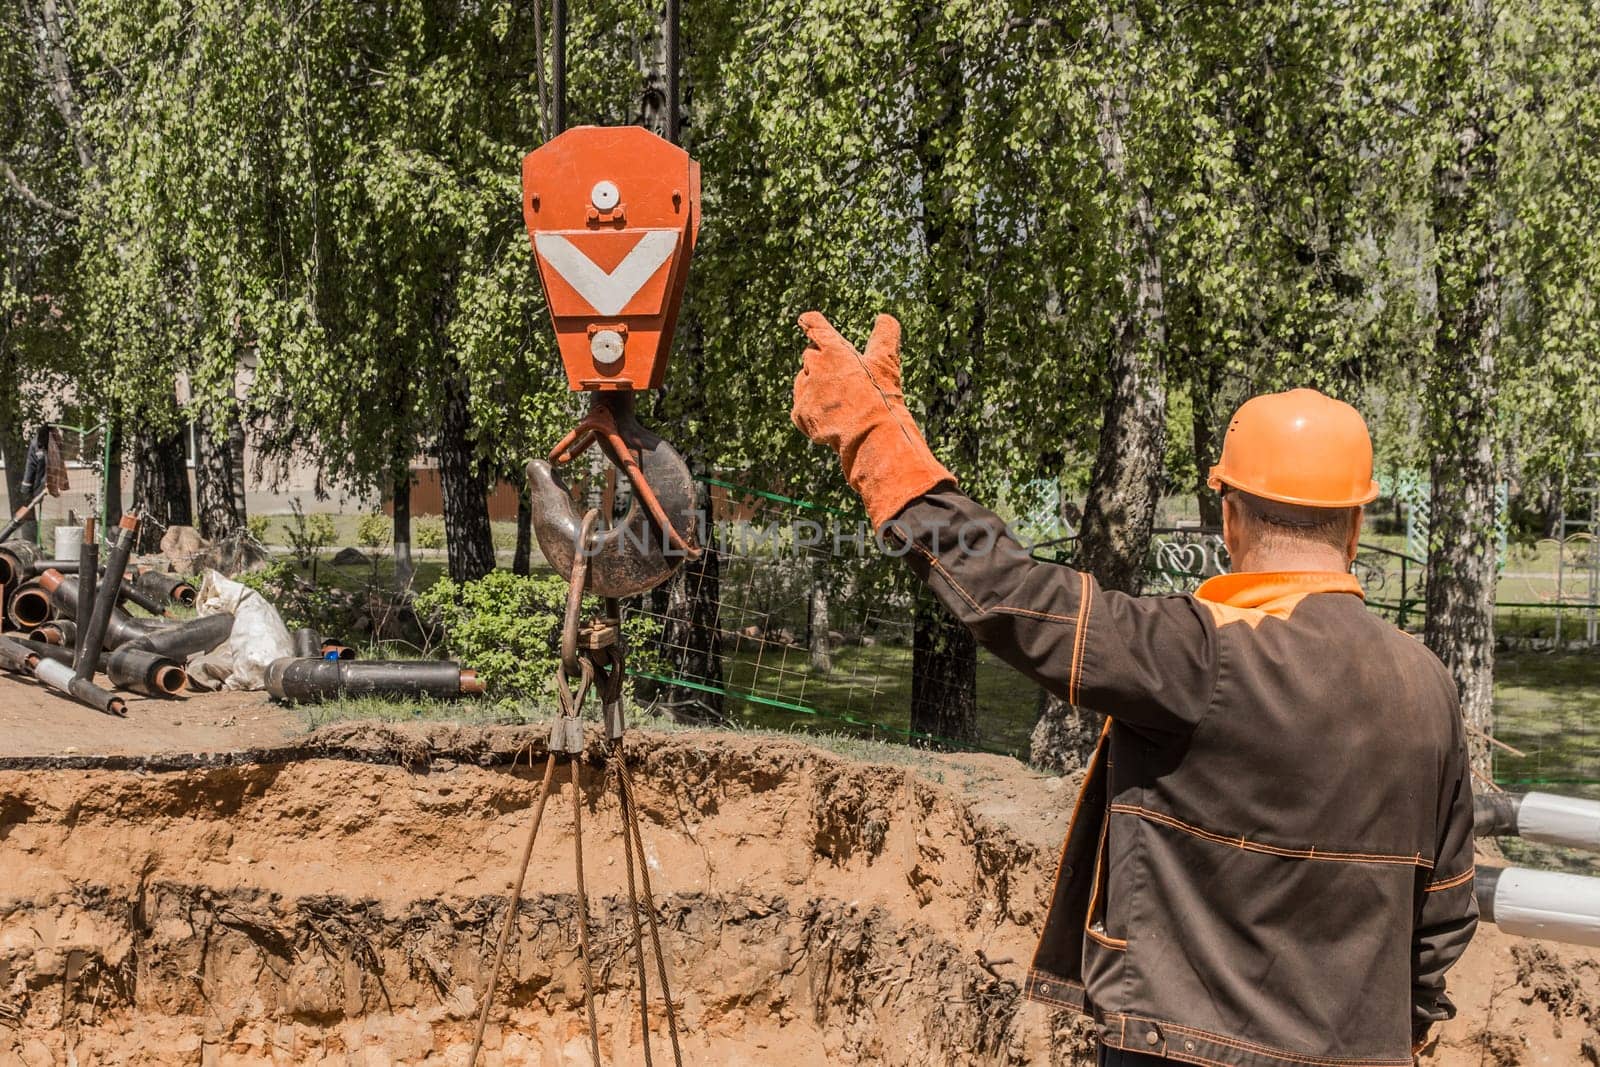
(372, 531)
(429, 535)
(508, 628)
(308, 533)
(257, 525)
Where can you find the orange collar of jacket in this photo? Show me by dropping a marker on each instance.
(1267, 590)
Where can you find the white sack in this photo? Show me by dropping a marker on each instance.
(259, 635)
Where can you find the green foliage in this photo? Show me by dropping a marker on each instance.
(258, 526)
(331, 192)
(301, 602)
(508, 628)
(372, 530)
(308, 534)
(428, 534)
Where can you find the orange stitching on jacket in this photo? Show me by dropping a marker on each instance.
(1080, 639)
(1002, 609)
(1451, 883)
(1282, 1054)
(1271, 850)
(1264, 1050)
(1036, 975)
(948, 577)
(1005, 609)
(1077, 805)
(1120, 944)
(1100, 875)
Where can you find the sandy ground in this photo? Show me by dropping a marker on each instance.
(335, 904)
(36, 722)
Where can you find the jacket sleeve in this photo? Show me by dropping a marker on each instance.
(1447, 914)
(1148, 662)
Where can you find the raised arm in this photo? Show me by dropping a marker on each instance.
(1148, 662)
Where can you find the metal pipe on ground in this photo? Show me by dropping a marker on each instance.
(88, 578)
(128, 592)
(1547, 905)
(134, 595)
(143, 671)
(166, 588)
(65, 566)
(59, 676)
(16, 559)
(45, 650)
(134, 669)
(93, 637)
(120, 627)
(63, 632)
(311, 680)
(185, 639)
(16, 657)
(30, 605)
(334, 650)
(1543, 817)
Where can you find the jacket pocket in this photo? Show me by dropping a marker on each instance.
(1095, 920)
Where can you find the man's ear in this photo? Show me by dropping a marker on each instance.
(1354, 544)
(1230, 523)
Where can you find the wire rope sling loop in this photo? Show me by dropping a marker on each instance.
(612, 214)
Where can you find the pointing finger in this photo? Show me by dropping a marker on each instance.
(821, 331)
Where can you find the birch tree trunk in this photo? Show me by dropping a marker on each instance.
(217, 503)
(1462, 544)
(1125, 485)
(161, 484)
(401, 536)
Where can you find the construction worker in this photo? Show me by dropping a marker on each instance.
(1270, 862)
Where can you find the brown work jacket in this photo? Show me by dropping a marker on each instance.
(1270, 862)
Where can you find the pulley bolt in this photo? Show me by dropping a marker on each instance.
(606, 345)
(604, 195)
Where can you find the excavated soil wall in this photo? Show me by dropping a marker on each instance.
(341, 906)
(336, 902)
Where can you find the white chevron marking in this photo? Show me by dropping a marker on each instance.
(607, 293)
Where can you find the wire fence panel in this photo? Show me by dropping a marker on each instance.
(809, 626)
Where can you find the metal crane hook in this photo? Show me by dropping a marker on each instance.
(659, 530)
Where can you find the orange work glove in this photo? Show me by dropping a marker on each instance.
(852, 403)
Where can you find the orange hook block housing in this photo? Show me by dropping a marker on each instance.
(613, 213)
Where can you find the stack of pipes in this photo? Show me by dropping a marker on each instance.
(68, 621)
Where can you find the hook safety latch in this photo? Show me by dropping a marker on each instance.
(658, 532)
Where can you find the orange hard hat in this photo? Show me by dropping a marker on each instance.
(1299, 447)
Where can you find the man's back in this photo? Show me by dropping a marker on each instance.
(1271, 858)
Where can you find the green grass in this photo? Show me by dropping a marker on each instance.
(867, 692)
(1548, 707)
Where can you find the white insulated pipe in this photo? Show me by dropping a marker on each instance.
(1546, 905)
(1542, 817)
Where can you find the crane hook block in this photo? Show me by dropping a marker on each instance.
(612, 212)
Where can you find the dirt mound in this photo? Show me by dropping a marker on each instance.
(335, 899)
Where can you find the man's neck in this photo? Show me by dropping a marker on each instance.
(1278, 562)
